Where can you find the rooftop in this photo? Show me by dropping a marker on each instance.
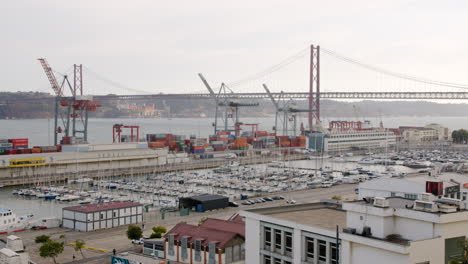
(100, 206)
(223, 225)
(324, 215)
(207, 197)
(324, 218)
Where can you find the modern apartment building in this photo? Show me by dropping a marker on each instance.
(384, 231)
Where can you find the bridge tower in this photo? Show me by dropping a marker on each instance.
(314, 84)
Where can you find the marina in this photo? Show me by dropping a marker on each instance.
(232, 179)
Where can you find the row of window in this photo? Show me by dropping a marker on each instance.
(362, 135)
(276, 245)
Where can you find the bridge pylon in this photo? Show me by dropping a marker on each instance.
(314, 87)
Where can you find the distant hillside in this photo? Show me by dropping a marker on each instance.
(187, 108)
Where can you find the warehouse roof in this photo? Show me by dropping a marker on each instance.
(207, 197)
(223, 225)
(100, 206)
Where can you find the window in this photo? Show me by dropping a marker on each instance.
(288, 246)
(333, 254)
(392, 194)
(411, 196)
(277, 240)
(267, 235)
(322, 250)
(197, 250)
(277, 261)
(266, 259)
(309, 248)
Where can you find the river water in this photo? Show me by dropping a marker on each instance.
(100, 131)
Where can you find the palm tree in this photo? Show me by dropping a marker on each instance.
(79, 245)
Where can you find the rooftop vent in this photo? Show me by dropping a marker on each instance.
(428, 197)
(425, 206)
(459, 204)
(366, 231)
(381, 202)
(349, 230)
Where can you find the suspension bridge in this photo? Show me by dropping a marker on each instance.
(388, 85)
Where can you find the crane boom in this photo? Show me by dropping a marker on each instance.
(271, 97)
(50, 75)
(208, 87)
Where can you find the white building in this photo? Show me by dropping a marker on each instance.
(450, 185)
(100, 216)
(359, 139)
(428, 133)
(14, 252)
(394, 230)
(410, 188)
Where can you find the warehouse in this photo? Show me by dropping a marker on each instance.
(103, 215)
(204, 202)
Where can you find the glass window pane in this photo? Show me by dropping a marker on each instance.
(322, 250)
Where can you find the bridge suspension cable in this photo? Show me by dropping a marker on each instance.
(113, 83)
(276, 67)
(392, 73)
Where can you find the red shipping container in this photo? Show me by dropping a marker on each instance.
(18, 140)
(223, 133)
(12, 152)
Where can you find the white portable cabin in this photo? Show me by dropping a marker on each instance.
(101, 216)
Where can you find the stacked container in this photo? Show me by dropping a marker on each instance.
(19, 142)
(240, 143)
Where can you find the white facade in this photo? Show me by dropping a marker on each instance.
(359, 139)
(397, 235)
(102, 219)
(390, 187)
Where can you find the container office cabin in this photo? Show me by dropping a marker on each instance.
(103, 215)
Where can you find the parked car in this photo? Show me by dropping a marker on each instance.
(290, 201)
(233, 204)
(138, 241)
(268, 199)
(246, 203)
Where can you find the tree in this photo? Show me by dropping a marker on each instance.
(460, 136)
(42, 239)
(51, 249)
(337, 197)
(79, 245)
(202, 220)
(158, 231)
(134, 232)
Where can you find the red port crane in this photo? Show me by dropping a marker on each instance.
(73, 110)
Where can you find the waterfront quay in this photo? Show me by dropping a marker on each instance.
(60, 167)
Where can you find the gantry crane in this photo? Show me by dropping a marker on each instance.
(289, 112)
(73, 110)
(230, 108)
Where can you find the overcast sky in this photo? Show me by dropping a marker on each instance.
(160, 46)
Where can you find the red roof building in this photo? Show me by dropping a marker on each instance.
(215, 238)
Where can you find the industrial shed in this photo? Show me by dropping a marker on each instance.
(103, 215)
(204, 202)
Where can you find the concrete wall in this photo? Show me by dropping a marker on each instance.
(360, 254)
(252, 241)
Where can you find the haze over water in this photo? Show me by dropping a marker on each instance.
(39, 131)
